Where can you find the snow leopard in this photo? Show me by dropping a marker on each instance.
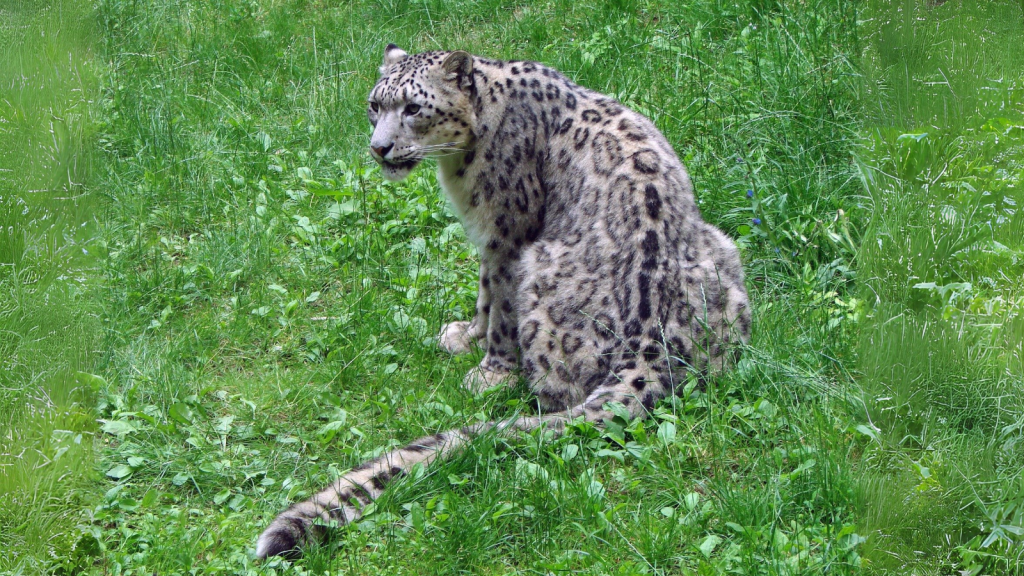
(600, 283)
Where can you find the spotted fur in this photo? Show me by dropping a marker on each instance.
(599, 281)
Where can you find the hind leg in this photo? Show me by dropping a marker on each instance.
(708, 316)
(562, 355)
(637, 390)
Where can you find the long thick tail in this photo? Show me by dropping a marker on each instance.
(344, 500)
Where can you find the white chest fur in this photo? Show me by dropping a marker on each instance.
(459, 190)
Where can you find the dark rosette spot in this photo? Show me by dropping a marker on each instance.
(646, 162)
(571, 343)
(607, 152)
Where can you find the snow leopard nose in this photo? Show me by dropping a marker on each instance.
(382, 151)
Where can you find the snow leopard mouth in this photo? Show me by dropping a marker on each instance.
(398, 170)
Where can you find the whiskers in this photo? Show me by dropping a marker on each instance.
(416, 154)
(438, 150)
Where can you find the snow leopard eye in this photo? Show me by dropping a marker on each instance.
(411, 109)
(374, 107)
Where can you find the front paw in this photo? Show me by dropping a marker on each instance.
(480, 379)
(457, 338)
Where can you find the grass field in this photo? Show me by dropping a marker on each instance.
(49, 327)
(939, 357)
(256, 310)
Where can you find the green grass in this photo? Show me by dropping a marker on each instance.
(274, 300)
(48, 323)
(268, 303)
(942, 262)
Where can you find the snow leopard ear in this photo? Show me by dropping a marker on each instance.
(458, 66)
(392, 55)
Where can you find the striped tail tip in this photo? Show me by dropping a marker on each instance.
(285, 537)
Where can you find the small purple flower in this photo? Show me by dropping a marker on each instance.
(739, 160)
(756, 221)
(750, 193)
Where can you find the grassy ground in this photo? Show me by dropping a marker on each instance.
(48, 323)
(942, 263)
(274, 300)
(268, 302)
